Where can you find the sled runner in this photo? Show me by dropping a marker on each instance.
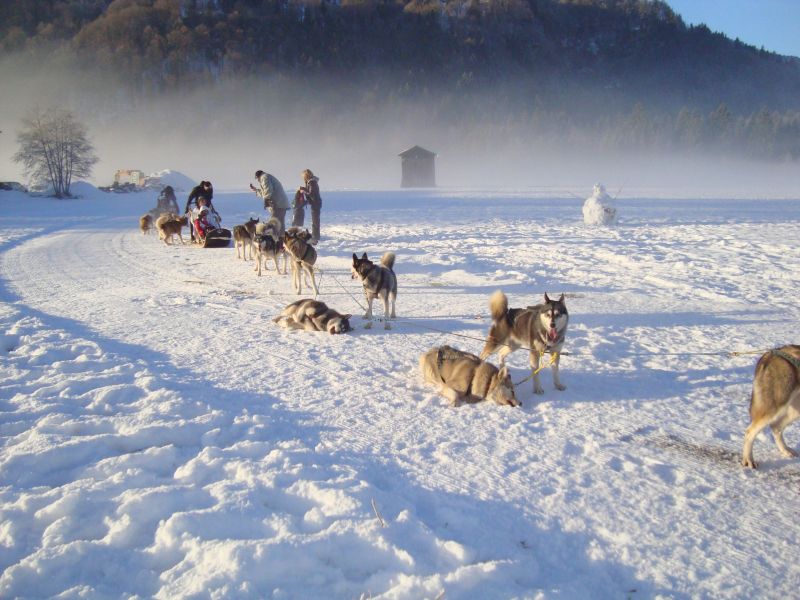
(217, 238)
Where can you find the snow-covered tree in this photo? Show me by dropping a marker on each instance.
(54, 148)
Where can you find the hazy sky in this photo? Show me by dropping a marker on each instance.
(774, 24)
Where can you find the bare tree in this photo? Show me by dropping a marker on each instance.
(54, 148)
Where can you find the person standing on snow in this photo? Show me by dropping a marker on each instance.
(167, 203)
(310, 190)
(271, 190)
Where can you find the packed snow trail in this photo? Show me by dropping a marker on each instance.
(161, 437)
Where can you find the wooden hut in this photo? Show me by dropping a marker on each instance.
(419, 169)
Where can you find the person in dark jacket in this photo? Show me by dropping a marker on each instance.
(203, 190)
(314, 200)
(298, 207)
(167, 202)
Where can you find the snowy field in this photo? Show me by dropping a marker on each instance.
(162, 438)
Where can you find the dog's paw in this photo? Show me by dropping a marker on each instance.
(387, 326)
(368, 325)
(750, 463)
(538, 390)
(790, 453)
(560, 387)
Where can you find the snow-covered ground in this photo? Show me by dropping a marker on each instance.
(162, 438)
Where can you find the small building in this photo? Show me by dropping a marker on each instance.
(419, 169)
(131, 176)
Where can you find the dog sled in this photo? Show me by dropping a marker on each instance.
(219, 237)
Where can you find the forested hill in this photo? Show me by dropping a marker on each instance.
(635, 48)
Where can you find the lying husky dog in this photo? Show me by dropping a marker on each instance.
(379, 281)
(170, 224)
(541, 328)
(464, 376)
(146, 223)
(312, 315)
(775, 400)
(268, 242)
(302, 256)
(243, 236)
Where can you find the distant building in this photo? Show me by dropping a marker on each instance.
(131, 176)
(419, 169)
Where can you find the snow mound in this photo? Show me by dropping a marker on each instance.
(178, 181)
(598, 208)
(82, 189)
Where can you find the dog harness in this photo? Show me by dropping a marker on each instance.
(787, 357)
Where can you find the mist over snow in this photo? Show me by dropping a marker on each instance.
(347, 136)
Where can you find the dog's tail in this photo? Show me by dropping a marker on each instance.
(387, 260)
(498, 305)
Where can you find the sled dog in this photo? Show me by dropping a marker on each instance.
(268, 242)
(463, 376)
(541, 328)
(243, 236)
(775, 400)
(379, 281)
(312, 315)
(146, 223)
(302, 257)
(169, 225)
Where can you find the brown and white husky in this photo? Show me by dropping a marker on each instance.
(775, 400)
(462, 376)
(540, 328)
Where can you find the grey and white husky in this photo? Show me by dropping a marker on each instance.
(243, 236)
(312, 315)
(541, 328)
(775, 400)
(302, 255)
(268, 242)
(462, 376)
(379, 281)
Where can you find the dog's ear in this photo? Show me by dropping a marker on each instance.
(546, 298)
(347, 316)
(355, 258)
(364, 256)
(561, 299)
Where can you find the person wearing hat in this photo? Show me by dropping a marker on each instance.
(201, 224)
(203, 190)
(310, 189)
(271, 191)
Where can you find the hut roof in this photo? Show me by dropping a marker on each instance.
(417, 152)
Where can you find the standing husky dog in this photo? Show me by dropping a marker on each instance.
(379, 281)
(313, 315)
(775, 400)
(464, 376)
(302, 255)
(243, 236)
(541, 328)
(146, 223)
(169, 225)
(267, 241)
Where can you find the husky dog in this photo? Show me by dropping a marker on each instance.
(379, 281)
(775, 400)
(169, 225)
(541, 328)
(464, 376)
(243, 236)
(268, 242)
(312, 315)
(302, 256)
(146, 223)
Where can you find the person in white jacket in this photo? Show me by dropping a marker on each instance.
(271, 190)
